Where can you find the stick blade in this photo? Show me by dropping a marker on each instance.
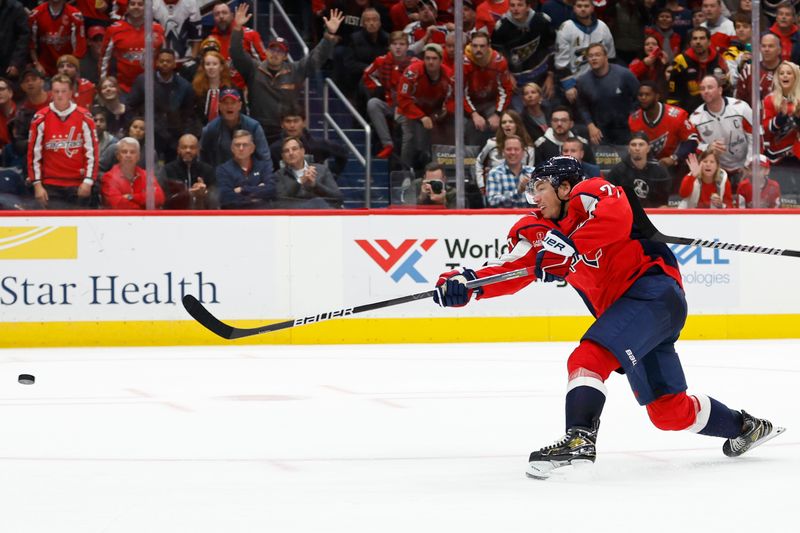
(209, 321)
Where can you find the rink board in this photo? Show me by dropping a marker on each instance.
(118, 280)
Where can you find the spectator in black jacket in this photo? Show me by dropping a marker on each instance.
(365, 45)
(293, 124)
(188, 182)
(304, 185)
(16, 35)
(174, 104)
(646, 177)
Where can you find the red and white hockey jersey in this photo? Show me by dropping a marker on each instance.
(124, 44)
(62, 147)
(419, 96)
(56, 34)
(670, 128)
(487, 84)
(611, 253)
(386, 72)
(84, 96)
(781, 133)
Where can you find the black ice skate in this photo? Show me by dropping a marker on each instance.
(756, 432)
(575, 448)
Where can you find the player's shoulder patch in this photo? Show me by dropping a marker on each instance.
(673, 111)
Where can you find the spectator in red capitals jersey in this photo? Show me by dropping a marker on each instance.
(56, 29)
(781, 123)
(252, 44)
(488, 88)
(425, 30)
(123, 44)
(62, 150)
(770, 59)
(670, 133)
(424, 99)
(84, 92)
(491, 9)
(382, 79)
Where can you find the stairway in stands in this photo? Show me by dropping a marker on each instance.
(352, 180)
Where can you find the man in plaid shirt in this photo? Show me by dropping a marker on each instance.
(506, 183)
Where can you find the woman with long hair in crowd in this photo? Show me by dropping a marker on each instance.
(652, 65)
(213, 73)
(707, 183)
(782, 113)
(108, 97)
(492, 153)
(533, 115)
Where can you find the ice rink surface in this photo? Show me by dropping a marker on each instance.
(400, 438)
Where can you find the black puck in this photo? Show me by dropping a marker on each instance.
(26, 379)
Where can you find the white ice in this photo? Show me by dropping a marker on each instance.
(378, 439)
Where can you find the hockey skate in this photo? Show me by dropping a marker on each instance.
(577, 447)
(756, 432)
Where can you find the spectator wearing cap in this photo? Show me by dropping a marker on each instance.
(215, 143)
(770, 189)
(277, 81)
(84, 89)
(188, 68)
(57, 29)
(16, 33)
(212, 75)
(174, 104)
(425, 30)
(645, 176)
(32, 83)
(252, 45)
(424, 100)
(322, 151)
(90, 61)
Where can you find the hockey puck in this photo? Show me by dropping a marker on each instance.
(26, 379)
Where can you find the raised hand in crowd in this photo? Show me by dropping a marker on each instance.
(241, 17)
(332, 24)
(694, 165)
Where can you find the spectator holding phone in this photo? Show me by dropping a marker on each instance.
(652, 66)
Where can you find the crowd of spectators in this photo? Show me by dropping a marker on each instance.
(665, 82)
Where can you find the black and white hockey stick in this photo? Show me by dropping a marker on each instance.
(204, 316)
(644, 224)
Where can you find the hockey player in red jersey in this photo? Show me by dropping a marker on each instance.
(56, 29)
(124, 43)
(62, 150)
(583, 231)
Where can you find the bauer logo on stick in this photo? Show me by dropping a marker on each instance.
(323, 316)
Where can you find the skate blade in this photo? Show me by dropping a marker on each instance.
(775, 432)
(541, 470)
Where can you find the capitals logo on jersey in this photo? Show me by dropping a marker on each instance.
(70, 143)
(670, 128)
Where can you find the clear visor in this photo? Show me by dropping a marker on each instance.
(530, 190)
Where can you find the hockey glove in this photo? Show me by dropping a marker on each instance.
(555, 257)
(451, 288)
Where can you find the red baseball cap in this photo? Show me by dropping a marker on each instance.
(94, 31)
(279, 43)
(230, 93)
